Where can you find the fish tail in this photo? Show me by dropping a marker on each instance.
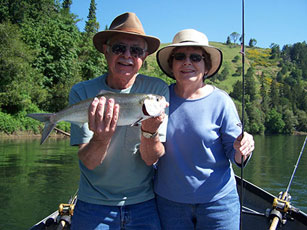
(49, 126)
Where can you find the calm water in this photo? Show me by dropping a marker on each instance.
(35, 179)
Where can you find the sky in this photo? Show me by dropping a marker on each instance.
(282, 22)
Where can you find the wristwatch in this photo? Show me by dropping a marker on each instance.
(149, 135)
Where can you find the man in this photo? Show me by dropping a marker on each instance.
(116, 162)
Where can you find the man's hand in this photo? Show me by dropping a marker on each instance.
(102, 119)
(103, 116)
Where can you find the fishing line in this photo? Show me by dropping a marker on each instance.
(295, 167)
(243, 103)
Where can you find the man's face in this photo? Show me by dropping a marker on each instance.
(123, 55)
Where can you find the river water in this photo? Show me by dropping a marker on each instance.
(35, 179)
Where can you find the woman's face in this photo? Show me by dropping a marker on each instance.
(188, 65)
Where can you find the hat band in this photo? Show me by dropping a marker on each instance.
(187, 41)
(130, 30)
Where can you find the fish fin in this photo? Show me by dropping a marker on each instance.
(43, 117)
(138, 122)
(49, 126)
(47, 130)
(103, 92)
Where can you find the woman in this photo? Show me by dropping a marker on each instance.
(195, 183)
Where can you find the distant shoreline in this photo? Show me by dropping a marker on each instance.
(28, 135)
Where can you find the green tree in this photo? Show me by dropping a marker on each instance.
(302, 121)
(274, 123)
(237, 91)
(91, 25)
(17, 11)
(289, 120)
(234, 36)
(279, 77)
(55, 39)
(274, 94)
(92, 62)
(264, 95)
(66, 4)
(256, 118)
(224, 74)
(250, 84)
(275, 51)
(238, 71)
(228, 41)
(236, 59)
(252, 42)
(20, 84)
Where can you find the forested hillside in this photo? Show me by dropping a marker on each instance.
(43, 53)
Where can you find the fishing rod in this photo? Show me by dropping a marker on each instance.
(295, 167)
(243, 103)
(281, 205)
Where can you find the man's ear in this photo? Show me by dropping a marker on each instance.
(105, 48)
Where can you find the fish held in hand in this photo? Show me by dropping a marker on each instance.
(134, 108)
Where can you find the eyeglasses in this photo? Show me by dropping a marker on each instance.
(135, 51)
(183, 56)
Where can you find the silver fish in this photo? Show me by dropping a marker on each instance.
(133, 108)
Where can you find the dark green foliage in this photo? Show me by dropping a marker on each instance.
(274, 95)
(256, 118)
(250, 85)
(92, 62)
(234, 36)
(274, 122)
(20, 84)
(155, 71)
(8, 124)
(224, 74)
(302, 120)
(237, 91)
(290, 121)
(252, 42)
(265, 100)
(55, 40)
(228, 41)
(66, 4)
(275, 51)
(238, 72)
(296, 54)
(91, 26)
(236, 59)
(17, 11)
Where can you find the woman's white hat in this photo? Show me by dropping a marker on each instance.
(189, 37)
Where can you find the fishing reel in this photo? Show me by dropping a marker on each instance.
(66, 209)
(281, 210)
(65, 213)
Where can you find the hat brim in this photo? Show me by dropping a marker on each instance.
(164, 53)
(102, 37)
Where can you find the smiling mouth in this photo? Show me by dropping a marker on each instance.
(187, 71)
(125, 63)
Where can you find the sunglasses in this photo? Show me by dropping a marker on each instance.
(183, 56)
(135, 51)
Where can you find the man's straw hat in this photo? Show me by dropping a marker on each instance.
(127, 23)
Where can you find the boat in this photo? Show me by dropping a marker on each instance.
(259, 211)
(59, 219)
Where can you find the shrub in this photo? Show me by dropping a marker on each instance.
(8, 124)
